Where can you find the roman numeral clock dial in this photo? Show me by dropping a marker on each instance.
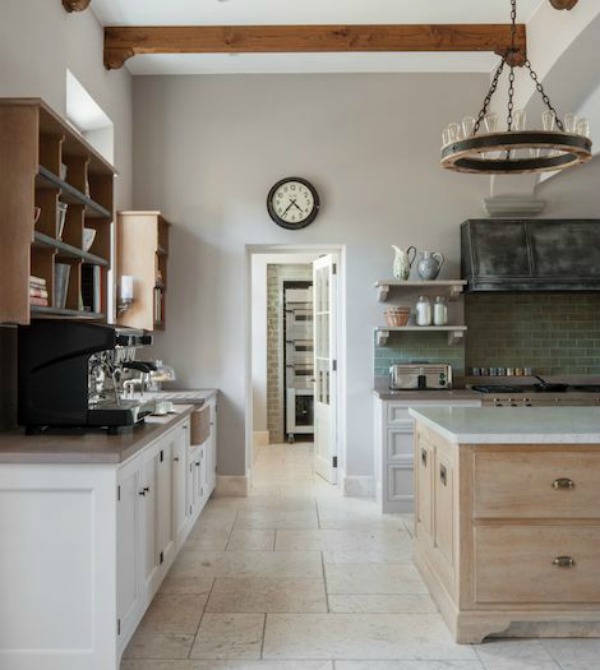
(293, 203)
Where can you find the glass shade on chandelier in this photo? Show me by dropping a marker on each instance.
(557, 145)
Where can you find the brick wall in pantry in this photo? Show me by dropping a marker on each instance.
(276, 275)
(553, 333)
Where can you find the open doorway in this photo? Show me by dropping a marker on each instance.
(280, 358)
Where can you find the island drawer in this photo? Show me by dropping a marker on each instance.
(537, 564)
(536, 484)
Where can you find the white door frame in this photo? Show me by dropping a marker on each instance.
(285, 249)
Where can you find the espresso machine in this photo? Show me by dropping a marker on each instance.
(69, 376)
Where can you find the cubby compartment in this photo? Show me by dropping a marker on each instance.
(52, 173)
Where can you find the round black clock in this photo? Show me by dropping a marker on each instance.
(293, 203)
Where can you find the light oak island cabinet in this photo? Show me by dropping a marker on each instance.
(142, 253)
(507, 520)
(54, 186)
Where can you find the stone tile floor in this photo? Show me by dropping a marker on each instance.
(296, 577)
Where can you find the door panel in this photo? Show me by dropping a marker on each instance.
(324, 314)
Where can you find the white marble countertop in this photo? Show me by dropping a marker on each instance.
(513, 425)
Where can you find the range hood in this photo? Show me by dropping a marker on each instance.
(531, 255)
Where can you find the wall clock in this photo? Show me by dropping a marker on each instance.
(293, 203)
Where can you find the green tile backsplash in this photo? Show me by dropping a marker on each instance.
(413, 346)
(553, 333)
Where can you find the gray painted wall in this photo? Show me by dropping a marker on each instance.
(207, 150)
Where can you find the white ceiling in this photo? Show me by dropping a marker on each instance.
(273, 12)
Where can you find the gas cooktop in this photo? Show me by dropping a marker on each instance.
(536, 388)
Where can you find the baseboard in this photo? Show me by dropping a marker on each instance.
(232, 487)
(359, 487)
(260, 438)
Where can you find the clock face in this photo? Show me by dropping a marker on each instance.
(293, 203)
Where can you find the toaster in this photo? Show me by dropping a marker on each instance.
(420, 376)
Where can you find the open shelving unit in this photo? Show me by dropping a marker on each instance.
(452, 289)
(143, 253)
(45, 163)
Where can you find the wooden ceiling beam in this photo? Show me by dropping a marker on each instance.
(121, 43)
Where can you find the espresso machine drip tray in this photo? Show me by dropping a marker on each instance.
(112, 415)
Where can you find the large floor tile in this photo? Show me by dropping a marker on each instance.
(339, 540)
(408, 665)
(401, 552)
(208, 539)
(226, 665)
(267, 594)
(574, 654)
(251, 539)
(179, 614)
(369, 578)
(361, 636)
(515, 655)
(229, 636)
(305, 564)
(149, 643)
(276, 518)
(181, 584)
(381, 604)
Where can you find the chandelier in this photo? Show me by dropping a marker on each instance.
(560, 143)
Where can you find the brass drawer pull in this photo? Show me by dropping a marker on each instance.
(563, 562)
(424, 457)
(563, 483)
(443, 475)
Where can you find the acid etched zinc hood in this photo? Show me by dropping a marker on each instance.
(531, 254)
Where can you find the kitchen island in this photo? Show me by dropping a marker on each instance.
(507, 519)
(90, 523)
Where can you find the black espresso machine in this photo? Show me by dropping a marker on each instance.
(69, 375)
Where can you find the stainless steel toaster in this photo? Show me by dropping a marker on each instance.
(421, 376)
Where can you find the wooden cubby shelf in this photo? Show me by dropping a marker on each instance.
(55, 191)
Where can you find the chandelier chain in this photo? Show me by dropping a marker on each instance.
(511, 93)
(540, 90)
(488, 97)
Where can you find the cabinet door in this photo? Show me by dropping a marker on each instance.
(149, 493)
(211, 451)
(179, 484)
(443, 478)
(166, 528)
(129, 584)
(424, 470)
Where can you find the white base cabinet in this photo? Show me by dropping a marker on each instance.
(84, 548)
(393, 442)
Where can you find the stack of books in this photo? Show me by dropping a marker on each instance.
(38, 293)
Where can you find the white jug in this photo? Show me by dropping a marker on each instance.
(402, 262)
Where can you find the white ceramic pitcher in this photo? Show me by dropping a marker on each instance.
(403, 261)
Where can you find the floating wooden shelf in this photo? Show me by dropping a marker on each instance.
(451, 287)
(455, 333)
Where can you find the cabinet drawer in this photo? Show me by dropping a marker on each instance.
(514, 564)
(536, 485)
